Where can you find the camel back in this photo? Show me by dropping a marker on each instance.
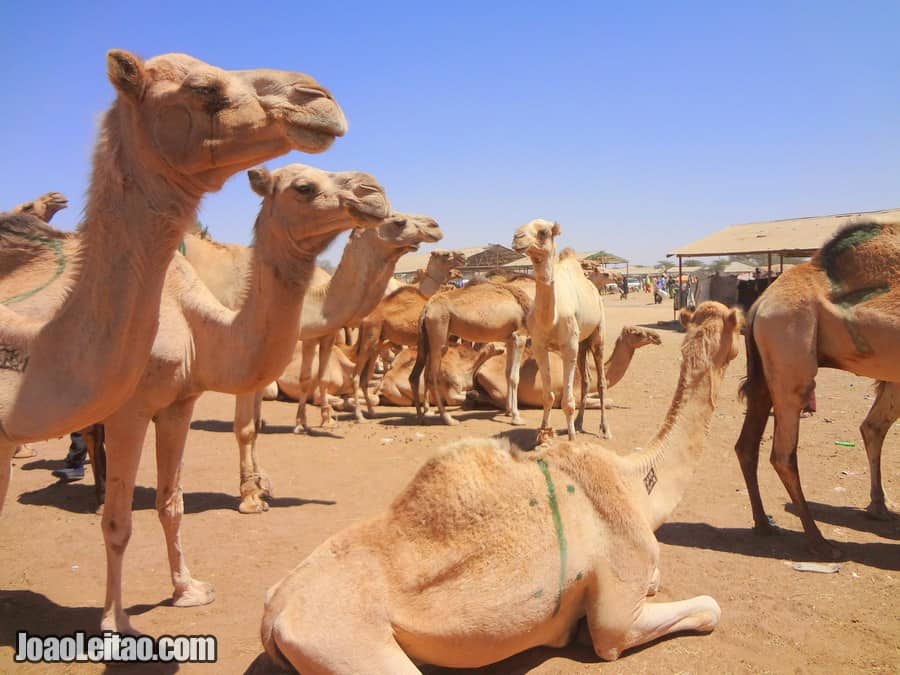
(25, 239)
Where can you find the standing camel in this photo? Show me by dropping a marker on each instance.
(490, 551)
(479, 312)
(204, 346)
(396, 319)
(567, 316)
(73, 343)
(492, 380)
(840, 310)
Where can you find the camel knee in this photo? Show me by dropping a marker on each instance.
(170, 503)
(245, 434)
(116, 531)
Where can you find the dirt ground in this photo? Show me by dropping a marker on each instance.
(774, 619)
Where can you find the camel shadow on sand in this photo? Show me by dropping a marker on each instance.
(80, 498)
(788, 545)
(36, 614)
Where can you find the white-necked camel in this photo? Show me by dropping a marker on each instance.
(204, 346)
(478, 312)
(840, 310)
(396, 318)
(74, 344)
(339, 306)
(490, 550)
(567, 317)
(491, 377)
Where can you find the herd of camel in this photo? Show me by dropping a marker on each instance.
(491, 549)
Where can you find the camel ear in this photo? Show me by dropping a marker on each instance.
(125, 72)
(556, 231)
(260, 181)
(685, 317)
(734, 320)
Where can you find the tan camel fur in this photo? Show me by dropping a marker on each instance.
(355, 290)
(396, 318)
(567, 317)
(204, 346)
(491, 377)
(44, 207)
(479, 312)
(881, 417)
(459, 367)
(490, 550)
(74, 342)
(338, 378)
(840, 310)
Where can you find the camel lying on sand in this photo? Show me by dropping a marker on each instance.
(479, 312)
(149, 175)
(396, 318)
(459, 367)
(567, 316)
(491, 378)
(840, 310)
(490, 550)
(204, 346)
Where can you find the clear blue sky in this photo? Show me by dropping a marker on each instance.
(638, 126)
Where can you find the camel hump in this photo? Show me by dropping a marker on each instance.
(403, 292)
(15, 229)
(862, 257)
(567, 253)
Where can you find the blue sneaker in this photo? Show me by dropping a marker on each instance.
(69, 474)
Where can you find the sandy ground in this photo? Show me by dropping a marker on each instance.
(774, 619)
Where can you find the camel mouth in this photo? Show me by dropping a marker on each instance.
(371, 210)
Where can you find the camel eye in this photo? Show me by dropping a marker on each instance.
(304, 188)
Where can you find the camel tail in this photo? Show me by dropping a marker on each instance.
(756, 377)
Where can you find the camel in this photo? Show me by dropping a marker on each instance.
(567, 316)
(44, 207)
(840, 310)
(338, 309)
(351, 293)
(459, 367)
(478, 312)
(204, 346)
(490, 550)
(492, 380)
(338, 377)
(396, 318)
(74, 339)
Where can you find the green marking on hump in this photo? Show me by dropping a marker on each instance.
(560, 532)
(532, 502)
(182, 249)
(847, 239)
(538, 593)
(861, 295)
(570, 488)
(57, 247)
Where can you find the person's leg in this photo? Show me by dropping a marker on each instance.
(74, 469)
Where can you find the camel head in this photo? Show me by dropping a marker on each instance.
(536, 240)
(640, 337)
(600, 276)
(713, 336)
(442, 264)
(196, 124)
(304, 208)
(44, 207)
(403, 233)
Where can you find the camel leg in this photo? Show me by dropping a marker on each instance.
(94, 440)
(125, 431)
(305, 384)
(597, 350)
(7, 450)
(569, 354)
(172, 425)
(784, 459)
(882, 415)
(434, 371)
(542, 357)
(581, 366)
(515, 345)
(255, 484)
(759, 403)
(325, 409)
(613, 631)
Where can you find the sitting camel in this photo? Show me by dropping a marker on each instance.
(60, 371)
(396, 318)
(840, 310)
(204, 346)
(567, 316)
(338, 377)
(479, 312)
(492, 380)
(459, 367)
(490, 550)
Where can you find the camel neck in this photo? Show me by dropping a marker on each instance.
(617, 364)
(429, 285)
(544, 292)
(133, 222)
(664, 470)
(355, 289)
